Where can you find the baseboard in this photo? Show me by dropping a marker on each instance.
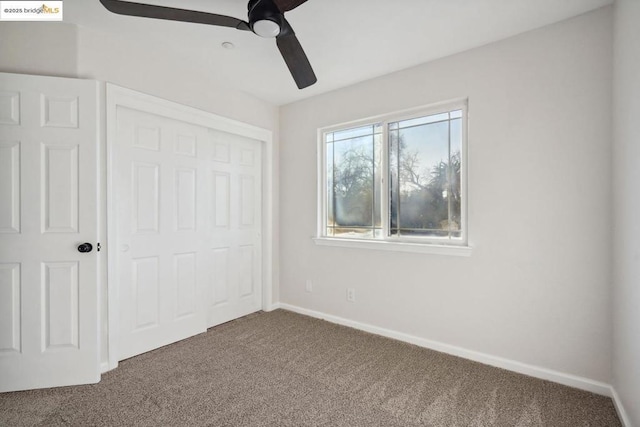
(104, 367)
(271, 307)
(499, 362)
(622, 414)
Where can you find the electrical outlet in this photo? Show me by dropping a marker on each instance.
(351, 295)
(308, 286)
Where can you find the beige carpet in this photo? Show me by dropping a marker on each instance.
(284, 369)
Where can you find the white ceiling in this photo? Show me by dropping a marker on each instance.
(347, 41)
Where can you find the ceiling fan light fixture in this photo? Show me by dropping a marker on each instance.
(266, 28)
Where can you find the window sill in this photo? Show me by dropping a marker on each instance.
(386, 245)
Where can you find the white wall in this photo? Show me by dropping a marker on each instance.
(536, 288)
(43, 48)
(626, 181)
(153, 68)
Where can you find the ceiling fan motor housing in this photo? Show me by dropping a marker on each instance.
(263, 14)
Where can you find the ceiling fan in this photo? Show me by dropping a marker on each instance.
(266, 19)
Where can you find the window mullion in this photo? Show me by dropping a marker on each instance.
(385, 182)
(373, 180)
(323, 186)
(449, 180)
(398, 180)
(333, 185)
(463, 176)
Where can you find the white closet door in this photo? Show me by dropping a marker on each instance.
(49, 329)
(235, 288)
(189, 203)
(162, 255)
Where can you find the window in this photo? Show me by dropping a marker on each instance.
(400, 178)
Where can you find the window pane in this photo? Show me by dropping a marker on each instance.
(353, 186)
(354, 132)
(421, 192)
(359, 233)
(455, 191)
(393, 180)
(330, 194)
(424, 233)
(377, 206)
(423, 176)
(423, 120)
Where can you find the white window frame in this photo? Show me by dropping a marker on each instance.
(420, 244)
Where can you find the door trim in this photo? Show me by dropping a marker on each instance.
(118, 96)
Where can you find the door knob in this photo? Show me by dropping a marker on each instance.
(85, 247)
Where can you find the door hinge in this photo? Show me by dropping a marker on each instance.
(98, 247)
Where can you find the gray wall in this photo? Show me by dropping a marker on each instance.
(537, 287)
(154, 68)
(626, 181)
(42, 48)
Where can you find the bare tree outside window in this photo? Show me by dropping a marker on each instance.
(353, 166)
(422, 179)
(425, 191)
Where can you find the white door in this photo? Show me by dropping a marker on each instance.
(189, 202)
(49, 329)
(161, 230)
(235, 288)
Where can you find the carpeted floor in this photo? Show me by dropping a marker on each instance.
(284, 369)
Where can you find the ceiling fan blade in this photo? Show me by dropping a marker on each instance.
(295, 57)
(287, 5)
(172, 14)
